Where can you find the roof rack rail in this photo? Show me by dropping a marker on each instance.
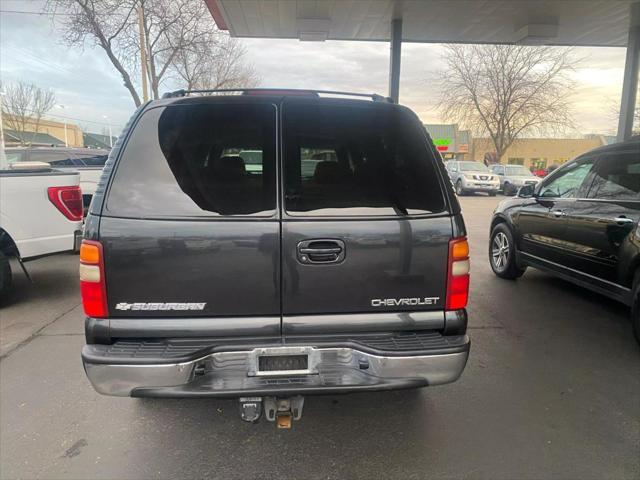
(253, 91)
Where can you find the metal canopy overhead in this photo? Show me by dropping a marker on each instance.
(596, 23)
(551, 22)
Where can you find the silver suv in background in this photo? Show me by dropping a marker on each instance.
(512, 177)
(470, 177)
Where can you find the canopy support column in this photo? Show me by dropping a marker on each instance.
(394, 59)
(630, 81)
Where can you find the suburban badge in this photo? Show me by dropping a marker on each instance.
(160, 306)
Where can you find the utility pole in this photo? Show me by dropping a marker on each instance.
(143, 53)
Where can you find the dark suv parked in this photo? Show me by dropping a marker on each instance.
(339, 265)
(580, 223)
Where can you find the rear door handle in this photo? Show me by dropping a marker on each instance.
(321, 250)
(623, 220)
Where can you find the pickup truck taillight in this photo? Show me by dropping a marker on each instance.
(68, 200)
(458, 274)
(92, 283)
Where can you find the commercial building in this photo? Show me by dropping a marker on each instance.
(537, 152)
(51, 134)
(43, 133)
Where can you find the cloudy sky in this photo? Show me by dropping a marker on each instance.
(31, 49)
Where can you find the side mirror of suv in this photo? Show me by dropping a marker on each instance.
(527, 191)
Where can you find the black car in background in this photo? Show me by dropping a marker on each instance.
(580, 223)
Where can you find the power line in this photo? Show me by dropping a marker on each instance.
(73, 118)
(81, 120)
(23, 12)
(54, 14)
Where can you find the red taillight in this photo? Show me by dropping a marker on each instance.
(92, 282)
(68, 200)
(458, 274)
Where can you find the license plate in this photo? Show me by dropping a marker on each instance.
(283, 363)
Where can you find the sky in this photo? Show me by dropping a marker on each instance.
(90, 93)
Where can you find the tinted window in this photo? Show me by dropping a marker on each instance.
(14, 156)
(473, 167)
(59, 159)
(617, 177)
(357, 160)
(185, 160)
(518, 170)
(97, 160)
(569, 181)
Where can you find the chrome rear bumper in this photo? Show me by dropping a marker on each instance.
(233, 373)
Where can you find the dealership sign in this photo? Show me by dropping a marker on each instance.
(442, 144)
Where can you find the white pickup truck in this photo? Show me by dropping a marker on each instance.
(40, 214)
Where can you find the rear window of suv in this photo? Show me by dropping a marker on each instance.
(346, 160)
(187, 161)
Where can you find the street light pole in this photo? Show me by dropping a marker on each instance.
(110, 134)
(66, 137)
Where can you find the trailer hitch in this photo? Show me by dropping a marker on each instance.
(282, 410)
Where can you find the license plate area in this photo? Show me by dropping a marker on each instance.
(279, 361)
(275, 363)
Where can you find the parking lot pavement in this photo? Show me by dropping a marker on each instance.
(552, 390)
(30, 307)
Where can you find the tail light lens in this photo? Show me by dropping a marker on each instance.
(68, 200)
(92, 282)
(458, 274)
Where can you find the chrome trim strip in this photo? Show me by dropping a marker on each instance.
(362, 322)
(121, 380)
(577, 272)
(142, 327)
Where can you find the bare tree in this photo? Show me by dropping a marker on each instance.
(107, 24)
(23, 106)
(216, 63)
(507, 91)
(173, 29)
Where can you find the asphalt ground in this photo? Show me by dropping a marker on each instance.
(551, 390)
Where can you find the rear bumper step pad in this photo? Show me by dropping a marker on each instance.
(180, 350)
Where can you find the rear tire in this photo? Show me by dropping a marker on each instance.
(502, 253)
(459, 188)
(635, 307)
(5, 275)
(507, 190)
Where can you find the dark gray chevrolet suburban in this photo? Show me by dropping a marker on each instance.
(332, 259)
